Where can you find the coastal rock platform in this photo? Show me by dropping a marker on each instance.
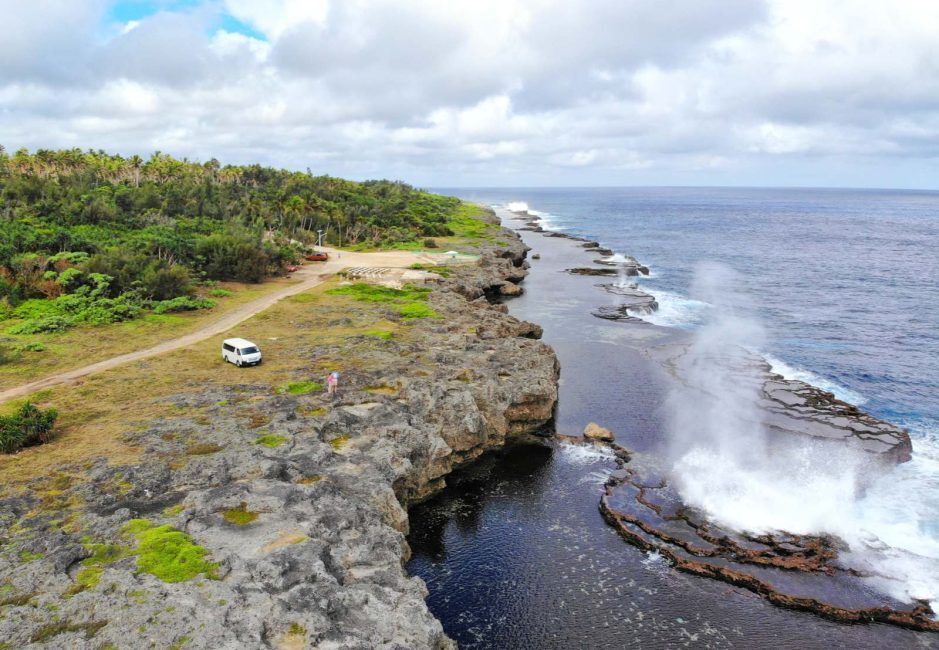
(794, 571)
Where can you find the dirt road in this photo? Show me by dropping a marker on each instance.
(309, 276)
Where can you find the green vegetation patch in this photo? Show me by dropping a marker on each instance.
(47, 632)
(466, 222)
(240, 516)
(220, 293)
(442, 271)
(26, 426)
(181, 303)
(271, 440)
(168, 553)
(300, 388)
(408, 302)
(384, 335)
(339, 442)
(16, 600)
(203, 449)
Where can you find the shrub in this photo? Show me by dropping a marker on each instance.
(40, 325)
(29, 425)
(165, 282)
(182, 303)
(430, 243)
(220, 293)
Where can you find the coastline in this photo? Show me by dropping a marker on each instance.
(299, 503)
(792, 408)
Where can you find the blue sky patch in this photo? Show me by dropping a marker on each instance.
(128, 10)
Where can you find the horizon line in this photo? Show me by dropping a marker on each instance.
(713, 187)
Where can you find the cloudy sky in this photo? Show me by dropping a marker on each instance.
(489, 92)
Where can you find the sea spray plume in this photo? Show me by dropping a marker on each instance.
(728, 463)
(725, 460)
(714, 405)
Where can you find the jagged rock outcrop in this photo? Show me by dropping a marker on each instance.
(304, 527)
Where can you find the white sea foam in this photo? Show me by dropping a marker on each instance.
(546, 220)
(584, 454)
(790, 372)
(724, 462)
(676, 310)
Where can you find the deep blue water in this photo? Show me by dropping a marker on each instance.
(515, 553)
(846, 281)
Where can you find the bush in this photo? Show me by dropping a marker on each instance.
(40, 325)
(182, 303)
(220, 293)
(430, 243)
(29, 425)
(165, 282)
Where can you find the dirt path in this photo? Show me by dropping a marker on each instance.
(309, 276)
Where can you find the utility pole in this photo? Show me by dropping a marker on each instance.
(319, 238)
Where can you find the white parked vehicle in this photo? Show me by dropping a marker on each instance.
(241, 352)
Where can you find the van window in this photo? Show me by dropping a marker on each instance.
(229, 348)
(249, 350)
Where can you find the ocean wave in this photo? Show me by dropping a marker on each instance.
(546, 220)
(789, 372)
(676, 310)
(584, 454)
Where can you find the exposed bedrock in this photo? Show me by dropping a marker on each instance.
(795, 571)
(633, 301)
(309, 532)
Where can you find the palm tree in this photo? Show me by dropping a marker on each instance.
(136, 162)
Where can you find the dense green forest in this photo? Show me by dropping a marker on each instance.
(88, 237)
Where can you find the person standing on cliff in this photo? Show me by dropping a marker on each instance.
(332, 383)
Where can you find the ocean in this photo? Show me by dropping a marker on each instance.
(844, 283)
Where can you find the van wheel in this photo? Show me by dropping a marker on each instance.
(238, 363)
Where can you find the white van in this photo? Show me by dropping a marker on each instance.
(240, 352)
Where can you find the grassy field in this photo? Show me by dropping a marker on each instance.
(41, 355)
(100, 415)
(469, 231)
(34, 356)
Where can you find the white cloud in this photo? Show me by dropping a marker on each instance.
(492, 91)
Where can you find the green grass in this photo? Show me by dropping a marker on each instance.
(271, 440)
(384, 335)
(240, 516)
(466, 223)
(408, 302)
(364, 292)
(47, 632)
(300, 387)
(339, 442)
(442, 271)
(168, 554)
